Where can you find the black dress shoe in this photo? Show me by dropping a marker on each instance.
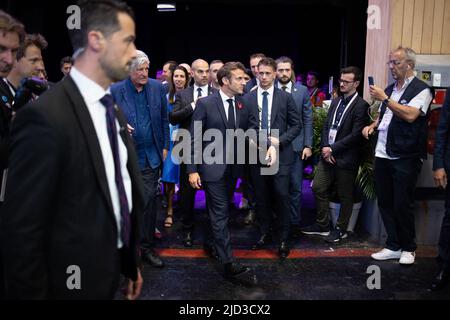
(250, 218)
(441, 279)
(240, 274)
(187, 239)
(262, 242)
(283, 250)
(211, 251)
(152, 258)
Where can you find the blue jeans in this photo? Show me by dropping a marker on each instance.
(150, 178)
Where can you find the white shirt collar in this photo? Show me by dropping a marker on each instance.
(288, 85)
(225, 97)
(90, 90)
(204, 88)
(407, 82)
(270, 90)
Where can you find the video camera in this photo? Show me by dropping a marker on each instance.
(28, 87)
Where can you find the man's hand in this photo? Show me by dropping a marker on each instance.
(165, 153)
(130, 129)
(367, 131)
(331, 160)
(134, 287)
(326, 152)
(271, 155)
(377, 93)
(195, 181)
(307, 153)
(274, 142)
(440, 178)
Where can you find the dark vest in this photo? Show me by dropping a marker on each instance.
(407, 140)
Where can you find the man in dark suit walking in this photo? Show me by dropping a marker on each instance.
(341, 144)
(181, 115)
(441, 167)
(278, 113)
(69, 224)
(220, 111)
(302, 144)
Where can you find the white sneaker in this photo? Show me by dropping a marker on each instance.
(387, 254)
(407, 257)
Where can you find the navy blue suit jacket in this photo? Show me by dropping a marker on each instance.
(156, 97)
(441, 158)
(304, 109)
(284, 117)
(211, 113)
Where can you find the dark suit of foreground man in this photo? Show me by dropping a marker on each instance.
(69, 223)
(441, 167)
(219, 111)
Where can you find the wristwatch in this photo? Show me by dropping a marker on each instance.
(386, 101)
(309, 147)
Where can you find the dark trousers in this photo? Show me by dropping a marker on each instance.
(327, 180)
(218, 194)
(150, 178)
(296, 188)
(187, 199)
(444, 239)
(272, 196)
(395, 182)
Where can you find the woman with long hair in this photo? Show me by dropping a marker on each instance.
(170, 176)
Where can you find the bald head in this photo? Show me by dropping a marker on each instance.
(200, 72)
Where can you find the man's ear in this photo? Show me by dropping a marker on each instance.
(96, 41)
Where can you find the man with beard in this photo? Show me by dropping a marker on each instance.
(302, 144)
(69, 223)
(401, 146)
(341, 148)
(143, 101)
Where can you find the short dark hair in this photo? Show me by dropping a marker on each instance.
(268, 62)
(64, 60)
(10, 24)
(257, 55)
(100, 15)
(171, 63)
(314, 74)
(284, 59)
(227, 68)
(356, 72)
(35, 39)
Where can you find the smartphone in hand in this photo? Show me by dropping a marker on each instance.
(371, 81)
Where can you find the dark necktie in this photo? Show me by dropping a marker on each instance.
(108, 102)
(284, 88)
(265, 111)
(199, 90)
(231, 121)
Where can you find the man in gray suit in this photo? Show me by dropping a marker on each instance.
(302, 144)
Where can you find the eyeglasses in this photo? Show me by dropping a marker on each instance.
(345, 81)
(394, 62)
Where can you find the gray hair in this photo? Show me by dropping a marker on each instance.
(411, 55)
(140, 59)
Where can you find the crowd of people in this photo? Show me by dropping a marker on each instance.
(82, 161)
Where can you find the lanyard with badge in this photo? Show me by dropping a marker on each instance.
(337, 119)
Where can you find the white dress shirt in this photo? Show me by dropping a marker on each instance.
(287, 85)
(421, 101)
(269, 99)
(92, 93)
(205, 92)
